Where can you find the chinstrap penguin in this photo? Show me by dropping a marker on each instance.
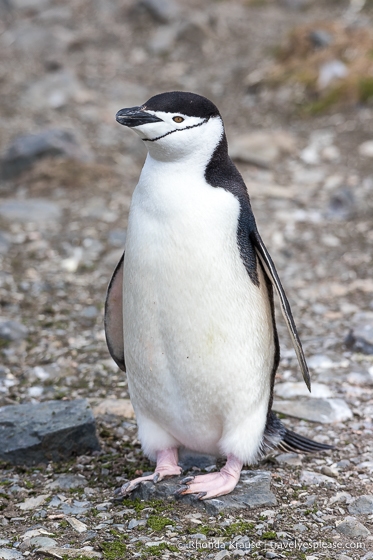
(189, 310)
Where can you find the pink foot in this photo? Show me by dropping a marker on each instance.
(213, 484)
(166, 466)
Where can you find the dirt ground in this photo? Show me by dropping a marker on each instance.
(72, 65)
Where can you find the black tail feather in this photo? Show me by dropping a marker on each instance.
(295, 442)
(277, 436)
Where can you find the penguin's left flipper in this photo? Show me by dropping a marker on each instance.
(114, 316)
(270, 269)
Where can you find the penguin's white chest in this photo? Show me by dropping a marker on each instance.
(198, 334)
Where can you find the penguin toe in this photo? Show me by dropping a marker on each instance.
(210, 485)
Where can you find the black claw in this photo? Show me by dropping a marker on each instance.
(156, 477)
(201, 495)
(187, 479)
(180, 490)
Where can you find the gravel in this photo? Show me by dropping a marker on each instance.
(62, 230)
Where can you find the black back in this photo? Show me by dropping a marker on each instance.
(221, 172)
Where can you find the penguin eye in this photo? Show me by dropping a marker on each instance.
(178, 119)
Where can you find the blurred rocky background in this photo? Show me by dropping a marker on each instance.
(294, 82)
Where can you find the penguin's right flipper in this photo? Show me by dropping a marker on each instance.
(294, 442)
(270, 269)
(114, 316)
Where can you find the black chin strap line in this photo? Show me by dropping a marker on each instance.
(176, 130)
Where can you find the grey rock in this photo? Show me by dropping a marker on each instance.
(42, 542)
(330, 471)
(325, 411)
(367, 556)
(366, 149)
(222, 554)
(262, 148)
(161, 11)
(52, 430)
(320, 361)
(27, 149)
(89, 312)
(136, 523)
(10, 554)
(194, 30)
(163, 39)
(361, 505)
(299, 528)
(320, 38)
(67, 482)
(359, 378)
(189, 459)
(331, 71)
(55, 90)
(289, 459)
(117, 237)
(363, 325)
(314, 478)
(290, 389)
(198, 536)
(343, 464)
(310, 500)
(351, 527)
(12, 331)
(4, 243)
(253, 490)
(76, 508)
(32, 210)
(342, 204)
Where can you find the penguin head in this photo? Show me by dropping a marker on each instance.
(176, 125)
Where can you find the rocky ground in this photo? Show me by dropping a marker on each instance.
(64, 198)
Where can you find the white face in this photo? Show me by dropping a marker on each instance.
(178, 136)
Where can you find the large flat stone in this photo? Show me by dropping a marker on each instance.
(252, 491)
(25, 150)
(48, 431)
(325, 411)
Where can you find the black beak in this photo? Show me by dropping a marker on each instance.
(135, 116)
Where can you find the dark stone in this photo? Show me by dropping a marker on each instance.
(161, 11)
(27, 149)
(12, 331)
(252, 491)
(320, 38)
(189, 459)
(48, 431)
(341, 204)
(358, 344)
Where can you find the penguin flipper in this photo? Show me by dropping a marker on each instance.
(114, 316)
(271, 271)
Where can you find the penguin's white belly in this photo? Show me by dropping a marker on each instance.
(198, 334)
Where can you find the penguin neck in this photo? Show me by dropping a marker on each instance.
(196, 164)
